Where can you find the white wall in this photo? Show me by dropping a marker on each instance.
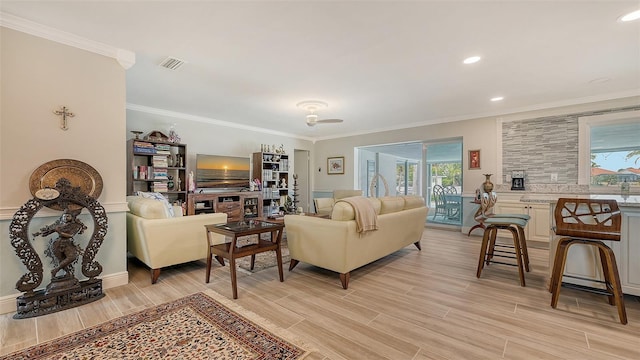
(203, 137)
(476, 133)
(37, 77)
(480, 133)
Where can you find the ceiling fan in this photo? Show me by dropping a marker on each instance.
(311, 106)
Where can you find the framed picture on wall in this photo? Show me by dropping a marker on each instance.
(474, 159)
(335, 165)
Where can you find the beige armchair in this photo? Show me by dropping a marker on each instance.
(160, 240)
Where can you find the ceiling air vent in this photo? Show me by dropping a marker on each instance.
(172, 63)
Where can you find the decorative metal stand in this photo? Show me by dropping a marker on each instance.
(65, 290)
(295, 192)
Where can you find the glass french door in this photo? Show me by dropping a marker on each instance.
(443, 166)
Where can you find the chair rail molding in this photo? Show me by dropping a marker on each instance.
(125, 58)
(7, 213)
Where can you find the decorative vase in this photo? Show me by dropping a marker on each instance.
(487, 185)
(170, 183)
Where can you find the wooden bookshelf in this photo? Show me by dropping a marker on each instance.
(151, 163)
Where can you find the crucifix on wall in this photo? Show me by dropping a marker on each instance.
(65, 113)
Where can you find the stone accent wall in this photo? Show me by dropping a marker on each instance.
(544, 146)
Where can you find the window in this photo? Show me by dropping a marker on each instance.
(371, 172)
(407, 175)
(609, 152)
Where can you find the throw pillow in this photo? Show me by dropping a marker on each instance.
(159, 197)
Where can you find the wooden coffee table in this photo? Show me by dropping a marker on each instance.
(230, 250)
(280, 220)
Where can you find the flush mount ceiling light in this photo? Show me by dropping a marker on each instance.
(634, 15)
(497, 98)
(311, 106)
(472, 60)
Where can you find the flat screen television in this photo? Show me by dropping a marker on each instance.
(222, 172)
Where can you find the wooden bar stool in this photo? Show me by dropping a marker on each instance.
(485, 211)
(490, 249)
(588, 222)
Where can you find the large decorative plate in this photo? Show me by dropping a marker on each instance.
(80, 174)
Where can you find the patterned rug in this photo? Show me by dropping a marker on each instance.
(264, 260)
(194, 327)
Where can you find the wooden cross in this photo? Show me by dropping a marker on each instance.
(64, 114)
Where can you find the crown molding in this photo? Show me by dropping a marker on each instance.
(184, 116)
(512, 114)
(125, 58)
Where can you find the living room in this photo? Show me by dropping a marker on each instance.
(39, 75)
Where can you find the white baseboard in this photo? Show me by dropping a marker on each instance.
(8, 303)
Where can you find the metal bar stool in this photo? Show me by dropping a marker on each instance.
(514, 223)
(588, 222)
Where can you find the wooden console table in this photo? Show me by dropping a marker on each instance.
(239, 205)
(230, 251)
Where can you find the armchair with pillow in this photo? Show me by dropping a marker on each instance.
(160, 236)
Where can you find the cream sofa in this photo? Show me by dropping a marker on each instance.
(335, 245)
(159, 240)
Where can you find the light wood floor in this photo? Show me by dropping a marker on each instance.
(411, 305)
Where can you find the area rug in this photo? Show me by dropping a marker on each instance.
(199, 326)
(264, 260)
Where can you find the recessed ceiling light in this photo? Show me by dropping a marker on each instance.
(471, 60)
(634, 15)
(497, 98)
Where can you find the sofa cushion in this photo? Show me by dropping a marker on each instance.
(159, 197)
(147, 208)
(413, 201)
(377, 205)
(343, 211)
(390, 204)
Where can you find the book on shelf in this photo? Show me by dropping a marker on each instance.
(143, 144)
(268, 174)
(164, 149)
(143, 172)
(144, 150)
(160, 186)
(160, 173)
(159, 189)
(160, 161)
(143, 147)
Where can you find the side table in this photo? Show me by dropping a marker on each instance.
(229, 250)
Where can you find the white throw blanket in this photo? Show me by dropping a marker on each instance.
(365, 215)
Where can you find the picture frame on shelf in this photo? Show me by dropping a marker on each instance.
(474, 159)
(335, 165)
